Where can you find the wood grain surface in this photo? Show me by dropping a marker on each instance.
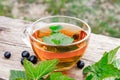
(10, 40)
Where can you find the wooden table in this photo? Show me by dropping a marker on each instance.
(10, 40)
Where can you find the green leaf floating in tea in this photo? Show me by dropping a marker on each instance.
(57, 38)
(56, 28)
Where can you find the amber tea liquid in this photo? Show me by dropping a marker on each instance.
(68, 55)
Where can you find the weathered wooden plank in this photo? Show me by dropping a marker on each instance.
(11, 30)
(13, 63)
(98, 45)
(10, 40)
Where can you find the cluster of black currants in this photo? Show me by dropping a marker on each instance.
(25, 55)
(33, 58)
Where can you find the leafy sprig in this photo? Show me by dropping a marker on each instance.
(38, 72)
(57, 38)
(107, 67)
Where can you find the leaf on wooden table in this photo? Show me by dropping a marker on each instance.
(17, 75)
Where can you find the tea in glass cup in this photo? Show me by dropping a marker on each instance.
(59, 37)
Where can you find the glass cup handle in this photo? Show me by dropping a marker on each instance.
(25, 37)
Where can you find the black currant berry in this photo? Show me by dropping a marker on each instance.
(80, 64)
(7, 54)
(25, 54)
(33, 59)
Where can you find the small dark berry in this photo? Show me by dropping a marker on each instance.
(7, 54)
(25, 54)
(33, 59)
(80, 64)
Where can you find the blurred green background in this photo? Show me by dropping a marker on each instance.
(102, 15)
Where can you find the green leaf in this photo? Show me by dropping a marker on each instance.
(87, 69)
(109, 71)
(104, 59)
(56, 28)
(29, 69)
(46, 67)
(57, 39)
(41, 69)
(48, 40)
(104, 72)
(109, 57)
(112, 54)
(66, 40)
(59, 76)
(89, 77)
(17, 75)
(103, 68)
(116, 63)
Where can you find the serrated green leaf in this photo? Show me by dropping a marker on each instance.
(57, 39)
(108, 57)
(46, 67)
(89, 77)
(29, 69)
(87, 69)
(41, 69)
(112, 54)
(17, 75)
(56, 28)
(103, 68)
(103, 60)
(59, 76)
(110, 71)
(47, 40)
(66, 40)
(104, 72)
(116, 63)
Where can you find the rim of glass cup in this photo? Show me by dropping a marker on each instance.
(86, 37)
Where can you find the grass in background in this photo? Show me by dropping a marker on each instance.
(102, 15)
(5, 10)
(27, 1)
(55, 6)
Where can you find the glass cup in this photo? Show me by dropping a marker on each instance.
(68, 54)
